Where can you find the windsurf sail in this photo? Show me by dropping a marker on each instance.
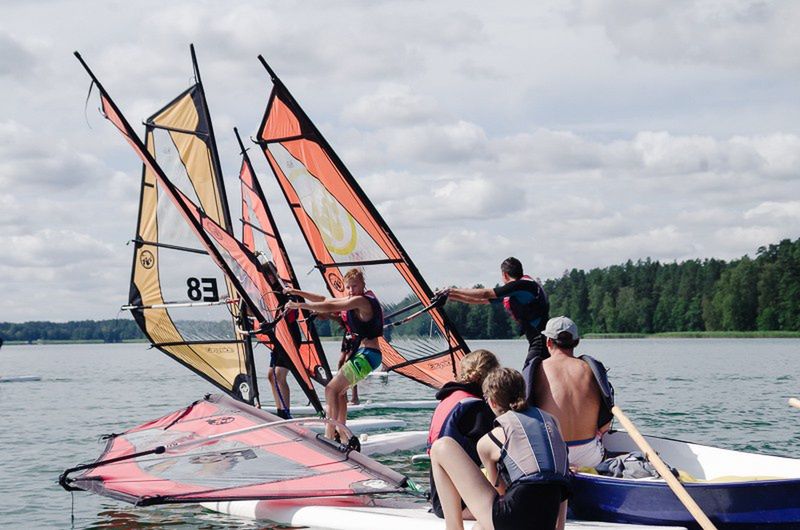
(343, 229)
(224, 362)
(219, 449)
(181, 300)
(295, 333)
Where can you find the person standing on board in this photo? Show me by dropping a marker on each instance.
(462, 414)
(573, 389)
(364, 318)
(279, 366)
(522, 296)
(525, 460)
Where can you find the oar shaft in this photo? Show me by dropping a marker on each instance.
(662, 469)
(794, 402)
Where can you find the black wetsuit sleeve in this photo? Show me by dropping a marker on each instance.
(476, 421)
(509, 288)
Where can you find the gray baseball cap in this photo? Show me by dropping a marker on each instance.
(559, 325)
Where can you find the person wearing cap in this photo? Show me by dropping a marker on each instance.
(575, 390)
(523, 298)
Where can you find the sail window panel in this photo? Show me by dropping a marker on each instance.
(186, 160)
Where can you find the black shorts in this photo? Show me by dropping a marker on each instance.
(278, 358)
(537, 345)
(528, 507)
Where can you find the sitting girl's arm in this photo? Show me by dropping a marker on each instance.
(489, 453)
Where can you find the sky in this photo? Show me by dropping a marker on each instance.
(570, 134)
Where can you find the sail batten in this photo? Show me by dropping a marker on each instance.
(342, 228)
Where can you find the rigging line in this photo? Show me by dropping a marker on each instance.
(86, 104)
(166, 245)
(154, 125)
(437, 301)
(168, 305)
(256, 228)
(356, 263)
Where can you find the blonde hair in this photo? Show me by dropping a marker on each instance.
(475, 366)
(354, 274)
(506, 388)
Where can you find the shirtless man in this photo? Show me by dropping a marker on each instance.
(574, 390)
(364, 317)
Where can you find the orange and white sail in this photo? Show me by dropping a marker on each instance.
(343, 229)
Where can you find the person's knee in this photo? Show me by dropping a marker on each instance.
(442, 446)
(271, 376)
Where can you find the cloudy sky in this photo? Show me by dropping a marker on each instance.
(567, 133)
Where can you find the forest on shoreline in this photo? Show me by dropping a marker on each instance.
(757, 296)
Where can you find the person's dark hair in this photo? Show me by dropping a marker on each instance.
(506, 388)
(565, 340)
(512, 267)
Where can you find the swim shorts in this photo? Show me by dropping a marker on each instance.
(529, 506)
(279, 358)
(364, 361)
(586, 453)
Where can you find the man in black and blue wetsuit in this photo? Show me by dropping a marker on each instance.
(522, 296)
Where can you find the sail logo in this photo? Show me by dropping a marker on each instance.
(335, 281)
(336, 226)
(220, 421)
(146, 259)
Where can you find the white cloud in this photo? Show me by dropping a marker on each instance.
(41, 162)
(723, 32)
(775, 210)
(569, 134)
(390, 105)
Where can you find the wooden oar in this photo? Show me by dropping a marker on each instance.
(676, 487)
(794, 402)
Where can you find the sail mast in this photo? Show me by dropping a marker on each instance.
(243, 316)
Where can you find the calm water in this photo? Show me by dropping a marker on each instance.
(725, 392)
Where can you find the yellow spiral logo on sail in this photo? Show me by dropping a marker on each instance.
(337, 227)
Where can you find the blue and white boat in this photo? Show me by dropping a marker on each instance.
(735, 489)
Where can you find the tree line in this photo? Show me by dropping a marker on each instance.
(646, 296)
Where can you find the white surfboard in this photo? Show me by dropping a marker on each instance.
(421, 404)
(393, 442)
(20, 378)
(366, 425)
(352, 513)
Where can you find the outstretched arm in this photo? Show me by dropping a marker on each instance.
(331, 305)
(312, 297)
(471, 296)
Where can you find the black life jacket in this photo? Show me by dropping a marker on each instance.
(365, 330)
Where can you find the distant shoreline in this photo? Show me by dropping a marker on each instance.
(664, 335)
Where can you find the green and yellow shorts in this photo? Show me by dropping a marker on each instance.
(359, 366)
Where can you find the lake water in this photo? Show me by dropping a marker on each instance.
(729, 393)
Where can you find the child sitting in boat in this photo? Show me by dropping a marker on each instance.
(363, 315)
(462, 414)
(525, 460)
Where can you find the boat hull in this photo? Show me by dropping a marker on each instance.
(751, 504)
